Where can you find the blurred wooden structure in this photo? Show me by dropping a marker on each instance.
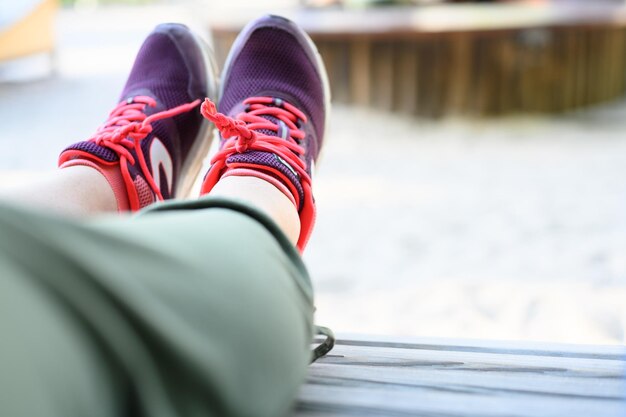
(475, 60)
(365, 376)
(30, 34)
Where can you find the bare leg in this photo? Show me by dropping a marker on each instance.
(82, 190)
(77, 190)
(265, 197)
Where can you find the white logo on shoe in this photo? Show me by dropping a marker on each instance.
(160, 157)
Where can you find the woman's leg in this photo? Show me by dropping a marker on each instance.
(194, 308)
(76, 191)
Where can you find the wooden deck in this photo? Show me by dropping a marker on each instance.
(476, 60)
(421, 377)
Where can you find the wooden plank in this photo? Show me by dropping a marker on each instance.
(490, 360)
(611, 352)
(441, 66)
(382, 70)
(468, 376)
(493, 77)
(619, 52)
(460, 72)
(336, 58)
(426, 78)
(380, 376)
(613, 57)
(568, 70)
(360, 69)
(341, 399)
(405, 78)
(222, 43)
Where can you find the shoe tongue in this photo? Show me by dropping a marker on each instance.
(269, 132)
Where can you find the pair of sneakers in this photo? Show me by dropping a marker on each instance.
(271, 115)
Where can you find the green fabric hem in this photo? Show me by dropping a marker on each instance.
(243, 207)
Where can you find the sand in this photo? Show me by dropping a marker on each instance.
(509, 229)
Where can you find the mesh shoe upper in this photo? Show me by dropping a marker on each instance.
(272, 110)
(170, 69)
(274, 59)
(170, 65)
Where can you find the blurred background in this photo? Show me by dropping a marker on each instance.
(473, 183)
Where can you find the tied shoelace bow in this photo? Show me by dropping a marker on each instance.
(242, 133)
(127, 126)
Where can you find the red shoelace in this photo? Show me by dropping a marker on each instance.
(126, 127)
(242, 132)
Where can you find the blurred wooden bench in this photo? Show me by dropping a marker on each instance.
(469, 60)
(365, 376)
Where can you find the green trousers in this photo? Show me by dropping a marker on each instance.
(188, 309)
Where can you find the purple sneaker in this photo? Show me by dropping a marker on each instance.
(153, 143)
(272, 112)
